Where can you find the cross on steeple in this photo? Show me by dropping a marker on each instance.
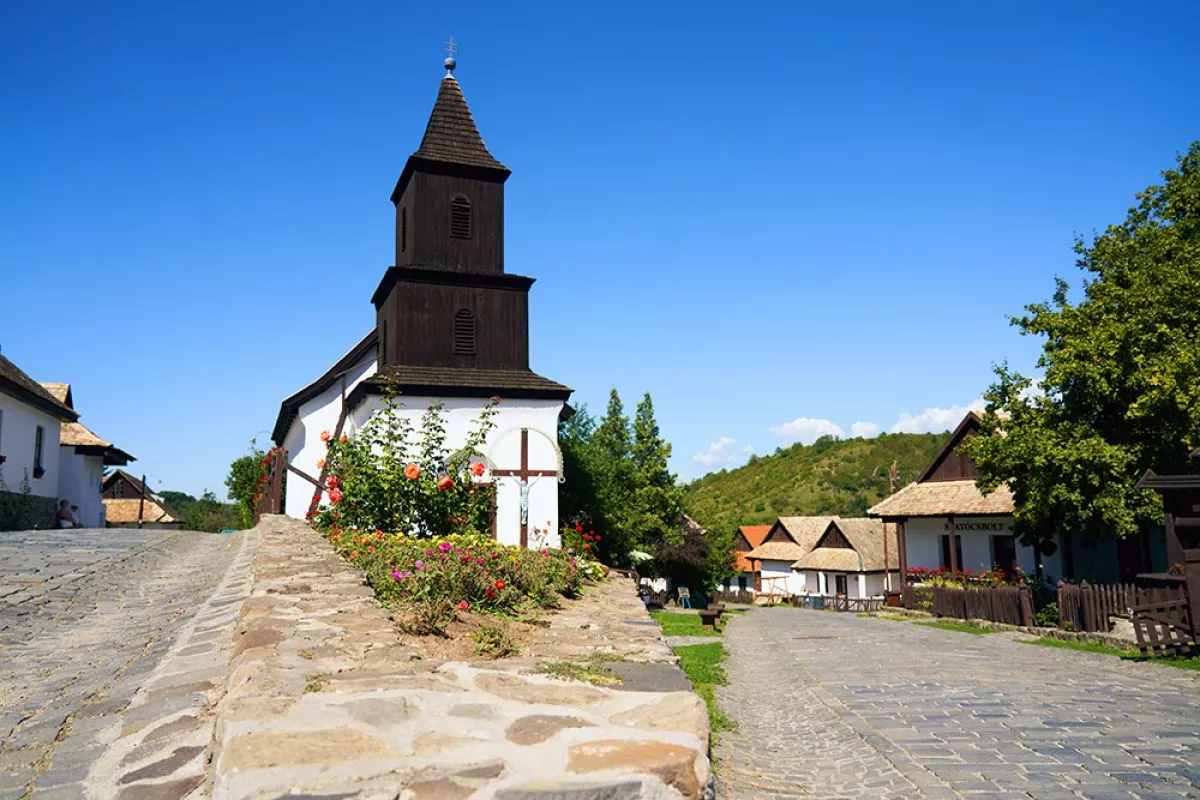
(451, 48)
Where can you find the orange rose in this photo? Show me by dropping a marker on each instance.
(445, 482)
(477, 468)
(324, 436)
(412, 471)
(320, 463)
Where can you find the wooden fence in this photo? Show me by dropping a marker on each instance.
(1009, 604)
(744, 596)
(1088, 607)
(853, 603)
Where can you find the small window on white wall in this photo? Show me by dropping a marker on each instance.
(39, 437)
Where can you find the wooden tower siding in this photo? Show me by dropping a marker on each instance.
(425, 206)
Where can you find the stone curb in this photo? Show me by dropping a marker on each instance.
(161, 746)
(322, 699)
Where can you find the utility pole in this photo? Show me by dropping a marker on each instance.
(142, 501)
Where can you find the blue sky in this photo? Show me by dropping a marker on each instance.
(777, 218)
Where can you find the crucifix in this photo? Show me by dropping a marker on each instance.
(524, 482)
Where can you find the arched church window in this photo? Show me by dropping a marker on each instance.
(464, 332)
(460, 218)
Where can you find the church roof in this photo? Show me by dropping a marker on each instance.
(451, 135)
(412, 379)
(291, 406)
(16, 383)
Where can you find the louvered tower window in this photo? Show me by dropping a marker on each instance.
(464, 332)
(460, 218)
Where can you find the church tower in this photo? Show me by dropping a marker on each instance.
(448, 304)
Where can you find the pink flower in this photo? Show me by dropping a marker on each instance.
(397, 575)
(444, 547)
(419, 564)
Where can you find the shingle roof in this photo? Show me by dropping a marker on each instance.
(777, 551)
(451, 135)
(126, 510)
(485, 381)
(60, 392)
(833, 559)
(941, 498)
(76, 434)
(866, 546)
(16, 383)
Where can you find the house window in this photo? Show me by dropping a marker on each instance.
(946, 551)
(464, 332)
(39, 436)
(741, 583)
(839, 582)
(1004, 553)
(460, 218)
(403, 229)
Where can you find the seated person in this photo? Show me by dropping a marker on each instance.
(65, 518)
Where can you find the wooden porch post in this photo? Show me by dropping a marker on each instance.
(887, 571)
(902, 546)
(953, 545)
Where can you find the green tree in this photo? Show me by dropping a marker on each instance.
(658, 501)
(242, 483)
(1120, 391)
(209, 514)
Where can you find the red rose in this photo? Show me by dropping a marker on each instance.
(578, 528)
(500, 584)
(445, 482)
(335, 496)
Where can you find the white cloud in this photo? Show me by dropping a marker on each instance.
(935, 420)
(718, 453)
(864, 430)
(806, 429)
(748, 449)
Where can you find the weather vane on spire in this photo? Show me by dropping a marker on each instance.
(451, 51)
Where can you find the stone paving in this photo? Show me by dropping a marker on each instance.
(834, 705)
(86, 617)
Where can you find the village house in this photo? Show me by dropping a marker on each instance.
(747, 538)
(451, 327)
(82, 458)
(943, 521)
(129, 503)
(29, 449)
(787, 541)
(855, 557)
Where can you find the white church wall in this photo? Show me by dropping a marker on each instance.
(303, 440)
(503, 451)
(18, 425)
(79, 479)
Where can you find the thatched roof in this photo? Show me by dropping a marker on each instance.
(126, 510)
(790, 538)
(942, 498)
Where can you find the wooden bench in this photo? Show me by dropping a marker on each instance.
(710, 615)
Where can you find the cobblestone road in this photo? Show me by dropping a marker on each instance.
(833, 705)
(85, 616)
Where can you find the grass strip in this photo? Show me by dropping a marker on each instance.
(702, 663)
(961, 627)
(1126, 653)
(677, 624)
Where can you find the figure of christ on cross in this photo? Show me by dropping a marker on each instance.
(523, 476)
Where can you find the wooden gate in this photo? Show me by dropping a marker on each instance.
(1165, 623)
(270, 491)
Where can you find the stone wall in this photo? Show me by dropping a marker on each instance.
(323, 698)
(26, 512)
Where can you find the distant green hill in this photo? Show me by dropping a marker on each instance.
(830, 476)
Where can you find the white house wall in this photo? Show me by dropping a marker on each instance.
(79, 481)
(503, 451)
(792, 582)
(17, 426)
(303, 440)
(924, 548)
